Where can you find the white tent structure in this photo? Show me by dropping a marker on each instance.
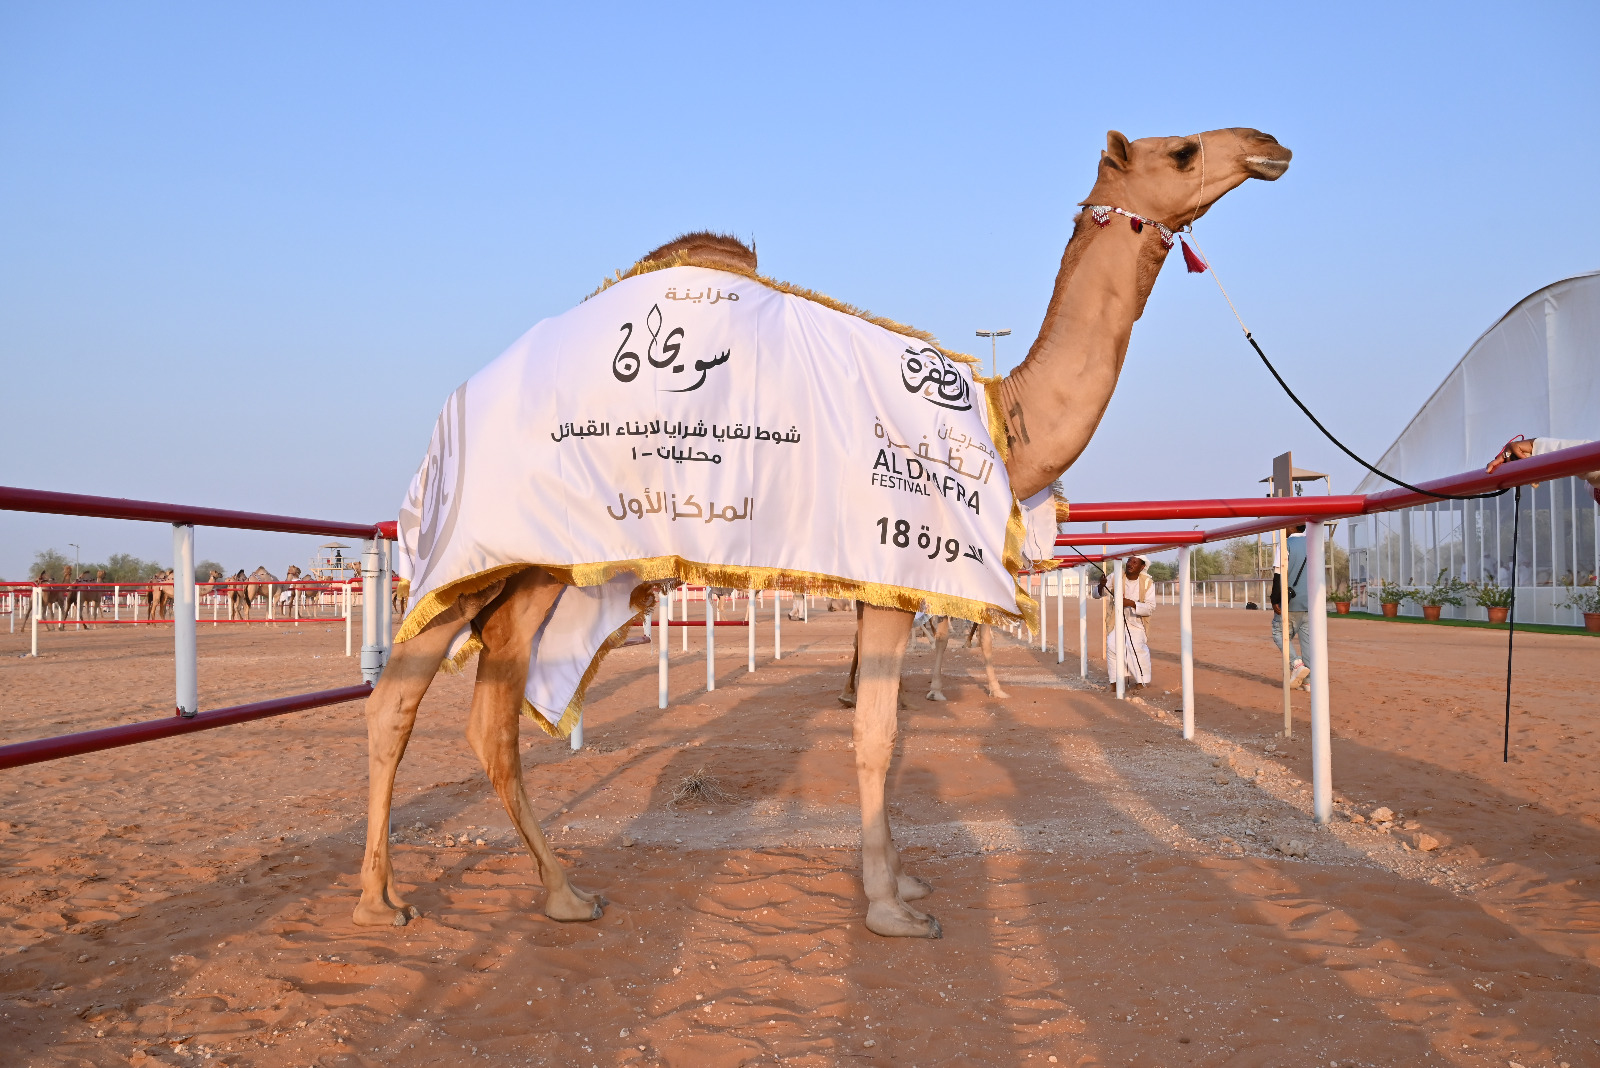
(1536, 372)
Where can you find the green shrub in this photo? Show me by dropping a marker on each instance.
(1492, 595)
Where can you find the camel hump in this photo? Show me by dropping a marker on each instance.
(714, 249)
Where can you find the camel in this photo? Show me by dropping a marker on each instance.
(159, 598)
(1144, 190)
(261, 583)
(238, 598)
(53, 601)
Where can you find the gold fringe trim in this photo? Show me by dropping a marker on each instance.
(455, 665)
(1063, 510)
(437, 601)
(994, 414)
(643, 599)
(686, 259)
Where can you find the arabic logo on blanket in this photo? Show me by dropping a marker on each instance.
(930, 373)
(625, 365)
(431, 513)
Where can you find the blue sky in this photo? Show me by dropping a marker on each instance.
(245, 252)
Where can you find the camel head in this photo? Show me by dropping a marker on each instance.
(708, 250)
(1174, 180)
(293, 572)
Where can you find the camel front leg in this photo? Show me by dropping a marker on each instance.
(391, 712)
(987, 642)
(941, 642)
(507, 629)
(881, 641)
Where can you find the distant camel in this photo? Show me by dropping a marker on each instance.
(52, 600)
(159, 596)
(261, 583)
(239, 596)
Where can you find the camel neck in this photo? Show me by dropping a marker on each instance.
(1054, 400)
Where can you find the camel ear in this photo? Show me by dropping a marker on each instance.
(1116, 149)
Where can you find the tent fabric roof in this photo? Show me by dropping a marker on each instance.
(1536, 371)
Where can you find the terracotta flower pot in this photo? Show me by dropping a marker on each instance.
(1342, 607)
(1430, 612)
(1498, 615)
(1591, 622)
(1390, 611)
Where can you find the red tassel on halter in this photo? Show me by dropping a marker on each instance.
(1195, 264)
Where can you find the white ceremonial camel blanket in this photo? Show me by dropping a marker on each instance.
(710, 427)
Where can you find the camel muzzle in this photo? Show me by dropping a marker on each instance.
(1267, 168)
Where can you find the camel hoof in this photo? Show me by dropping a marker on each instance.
(911, 888)
(999, 695)
(575, 909)
(896, 920)
(848, 700)
(935, 695)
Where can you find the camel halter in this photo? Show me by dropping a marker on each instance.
(1101, 213)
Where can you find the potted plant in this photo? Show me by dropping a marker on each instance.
(1495, 597)
(1341, 600)
(1585, 599)
(1441, 592)
(1390, 594)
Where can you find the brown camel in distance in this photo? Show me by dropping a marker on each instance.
(261, 583)
(1052, 404)
(158, 598)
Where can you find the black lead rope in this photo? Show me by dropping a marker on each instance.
(1516, 519)
(1511, 624)
(1329, 435)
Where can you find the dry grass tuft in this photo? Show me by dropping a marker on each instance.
(699, 788)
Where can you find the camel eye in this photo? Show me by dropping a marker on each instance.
(1184, 156)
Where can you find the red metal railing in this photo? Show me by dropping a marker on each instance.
(16, 499)
(1552, 465)
(22, 753)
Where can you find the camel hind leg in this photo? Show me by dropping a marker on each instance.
(881, 639)
(391, 713)
(507, 629)
(941, 642)
(987, 642)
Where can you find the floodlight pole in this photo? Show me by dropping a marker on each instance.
(994, 357)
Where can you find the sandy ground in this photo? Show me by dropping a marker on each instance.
(1110, 894)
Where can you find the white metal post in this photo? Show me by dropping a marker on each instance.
(371, 651)
(346, 593)
(34, 622)
(184, 608)
(777, 624)
(683, 614)
(1044, 614)
(1186, 640)
(1321, 732)
(270, 614)
(1083, 621)
(116, 603)
(1061, 616)
(711, 643)
(750, 616)
(1117, 622)
(385, 601)
(664, 614)
(575, 739)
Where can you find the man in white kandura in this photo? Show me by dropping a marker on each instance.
(1520, 448)
(1138, 604)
